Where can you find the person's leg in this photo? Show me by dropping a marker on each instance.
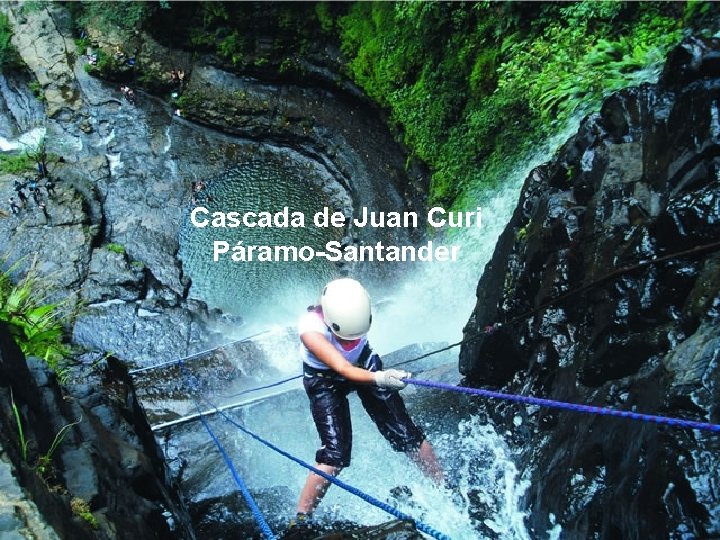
(315, 488)
(331, 413)
(387, 410)
(428, 463)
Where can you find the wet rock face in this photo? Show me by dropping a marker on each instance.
(638, 182)
(339, 134)
(107, 458)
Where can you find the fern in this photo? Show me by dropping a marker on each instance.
(35, 324)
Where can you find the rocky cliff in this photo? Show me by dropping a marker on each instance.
(590, 318)
(84, 450)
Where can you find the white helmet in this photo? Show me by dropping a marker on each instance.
(346, 308)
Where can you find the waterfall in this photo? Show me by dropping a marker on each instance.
(431, 304)
(26, 141)
(422, 303)
(434, 302)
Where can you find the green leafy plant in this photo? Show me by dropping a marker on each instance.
(35, 324)
(115, 248)
(21, 433)
(45, 461)
(39, 153)
(37, 90)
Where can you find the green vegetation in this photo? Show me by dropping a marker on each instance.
(81, 508)
(37, 328)
(44, 465)
(34, 323)
(21, 433)
(115, 248)
(29, 6)
(104, 66)
(37, 90)
(9, 56)
(245, 35)
(17, 163)
(471, 87)
(81, 44)
(521, 233)
(107, 16)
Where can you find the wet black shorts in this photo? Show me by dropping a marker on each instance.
(331, 412)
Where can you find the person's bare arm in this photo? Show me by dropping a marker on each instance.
(324, 351)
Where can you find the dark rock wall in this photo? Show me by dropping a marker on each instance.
(109, 459)
(638, 182)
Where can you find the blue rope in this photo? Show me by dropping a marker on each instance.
(427, 529)
(530, 400)
(257, 514)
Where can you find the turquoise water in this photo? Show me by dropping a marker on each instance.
(246, 288)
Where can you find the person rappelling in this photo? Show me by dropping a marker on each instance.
(337, 360)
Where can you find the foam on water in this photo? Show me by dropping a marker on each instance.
(26, 141)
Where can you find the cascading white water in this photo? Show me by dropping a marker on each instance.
(26, 141)
(431, 304)
(434, 302)
(475, 458)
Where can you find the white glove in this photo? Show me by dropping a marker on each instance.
(390, 378)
